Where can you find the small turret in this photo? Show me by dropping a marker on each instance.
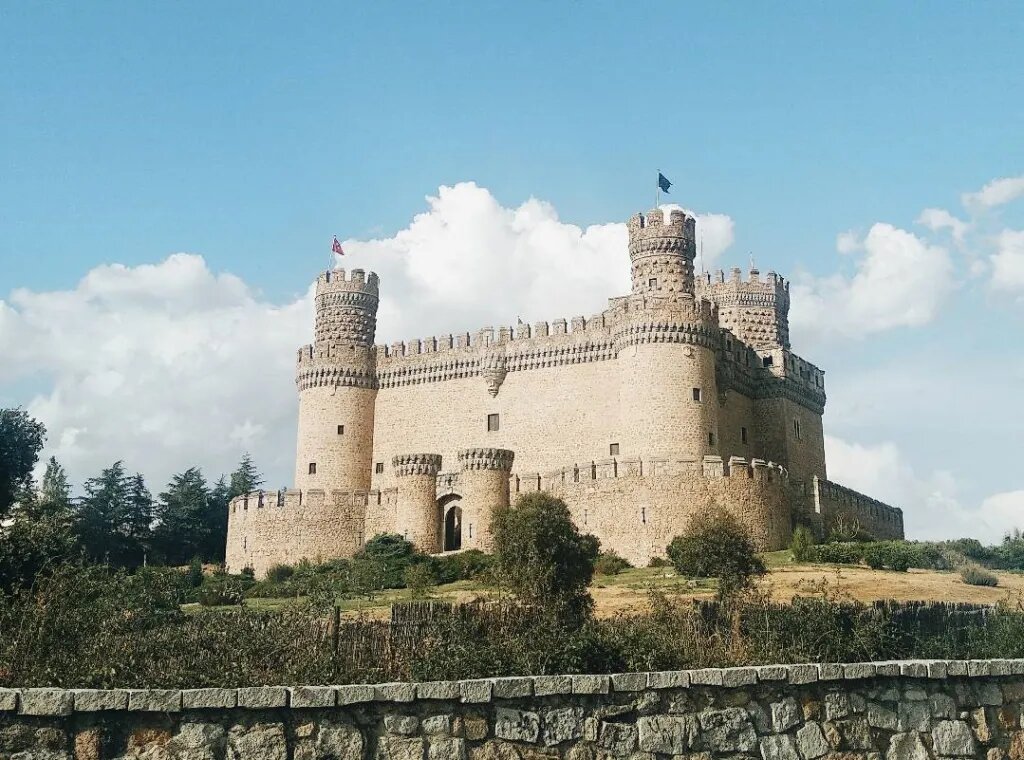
(661, 253)
(756, 311)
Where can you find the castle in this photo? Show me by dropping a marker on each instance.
(679, 397)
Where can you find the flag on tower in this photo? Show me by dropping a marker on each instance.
(336, 248)
(663, 183)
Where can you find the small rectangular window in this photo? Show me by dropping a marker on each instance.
(743, 434)
(341, 430)
(711, 439)
(696, 394)
(613, 449)
(492, 423)
(312, 468)
(653, 282)
(767, 361)
(379, 468)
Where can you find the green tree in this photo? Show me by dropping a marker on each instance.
(53, 498)
(137, 525)
(801, 544)
(21, 440)
(102, 514)
(716, 545)
(217, 520)
(393, 553)
(181, 532)
(245, 479)
(543, 558)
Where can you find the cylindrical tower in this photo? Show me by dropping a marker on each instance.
(417, 516)
(337, 385)
(484, 486)
(666, 342)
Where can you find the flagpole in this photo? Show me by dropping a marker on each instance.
(657, 191)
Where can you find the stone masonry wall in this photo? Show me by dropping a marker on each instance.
(916, 710)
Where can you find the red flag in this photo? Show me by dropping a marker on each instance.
(337, 247)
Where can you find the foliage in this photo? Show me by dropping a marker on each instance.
(977, 576)
(112, 520)
(890, 555)
(195, 575)
(801, 543)
(717, 545)
(419, 579)
(31, 548)
(182, 529)
(610, 563)
(390, 555)
(280, 573)
(658, 562)
(21, 440)
(541, 556)
(468, 565)
(245, 479)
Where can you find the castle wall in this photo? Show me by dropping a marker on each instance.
(736, 414)
(779, 439)
(342, 459)
(636, 507)
(833, 502)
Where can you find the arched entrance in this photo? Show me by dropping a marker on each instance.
(451, 509)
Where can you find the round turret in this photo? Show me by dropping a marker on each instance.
(661, 253)
(484, 485)
(417, 515)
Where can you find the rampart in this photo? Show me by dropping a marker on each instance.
(911, 710)
(637, 506)
(834, 503)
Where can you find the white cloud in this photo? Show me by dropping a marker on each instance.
(900, 281)
(998, 192)
(932, 508)
(1008, 261)
(938, 219)
(848, 242)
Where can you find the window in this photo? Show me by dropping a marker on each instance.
(492, 423)
(613, 449)
(711, 439)
(653, 282)
(341, 430)
(643, 515)
(312, 468)
(767, 361)
(379, 468)
(797, 431)
(743, 434)
(696, 394)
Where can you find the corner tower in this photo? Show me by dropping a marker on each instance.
(754, 310)
(336, 379)
(666, 339)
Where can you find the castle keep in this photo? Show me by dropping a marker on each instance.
(681, 396)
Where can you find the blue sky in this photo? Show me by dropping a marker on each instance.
(249, 133)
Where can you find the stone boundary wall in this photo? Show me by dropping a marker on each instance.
(832, 501)
(910, 710)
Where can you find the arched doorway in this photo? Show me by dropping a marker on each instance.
(452, 526)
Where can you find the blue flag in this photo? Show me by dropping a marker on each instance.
(663, 182)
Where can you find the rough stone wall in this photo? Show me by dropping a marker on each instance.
(920, 710)
(342, 459)
(484, 485)
(636, 507)
(755, 311)
(417, 516)
(833, 502)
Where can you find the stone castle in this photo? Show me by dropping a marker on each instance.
(681, 396)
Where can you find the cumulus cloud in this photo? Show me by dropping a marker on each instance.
(932, 507)
(899, 281)
(938, 219)
(1008, 261)
(998, 192)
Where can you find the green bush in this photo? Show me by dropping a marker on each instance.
(468, 565)
(389, 555)
(890, 555)
(802, 543)
(658, 562)
(716, 545)
(220, 593)
(836, 554)
(977, 576)
(419, 579)
(610, 563)
(280, 573)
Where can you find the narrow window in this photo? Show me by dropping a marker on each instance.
(643, 515)
(696, 394)
(312, 468)
(471, 530)
(585, 513)
(743, 434)
(711, 439)
(613, 449)
(492, 423)
(796, 430)
(653, 282)
(767, 361)
(379, 468)
(341, 430)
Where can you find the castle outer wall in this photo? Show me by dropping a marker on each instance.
(681, 397)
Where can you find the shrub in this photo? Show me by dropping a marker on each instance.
(419, 579)
(542, 557)
(610, 563)
(658, 562)
(219, 593)
(468, 565)
(836, 554)
(392, 555)
(889, 555)
(195, 572)
(717, 545)
(977, 576)
(801, 544)
(280, 573)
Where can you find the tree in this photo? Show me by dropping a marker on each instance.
(543, 558)
(101, 513)
(181, 531)
(21, 440)
(717, 545)
(217, 520)
(245, 479)
(53, 498)
(393, 553)
(137, 526)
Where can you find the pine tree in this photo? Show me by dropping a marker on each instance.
(21, 439)
(217, 520)
(182, 531)
(102, 515)
(138, 520)
(54, 497)
(245, 479)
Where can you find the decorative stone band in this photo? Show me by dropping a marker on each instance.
(486, 459)
(62, 702)
(320, 375)
(416, 464)
(651, 235)
(636, 333)
(772, 387)
(335, 280)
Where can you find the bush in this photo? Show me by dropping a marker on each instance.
(220, 593)
(542, 557)
(717, 545)
(836, 554)
(658, 562)
(889, 555)
(419, 579)
(194, 574)
(390, 555)
(280, 573)
(468, 565)
(610, 563)
(977, 576)
(802, 543)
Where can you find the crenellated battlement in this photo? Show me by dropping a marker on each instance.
(651, 234)
(486, 459)
(755, 310)
(416, 464)
(356, 281)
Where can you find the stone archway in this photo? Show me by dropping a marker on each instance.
(451, 523)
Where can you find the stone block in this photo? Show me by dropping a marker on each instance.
(476, 691)
(952, 738)
(810, 741)
(209, 699)
(544, 686)
(394, 692)
(332, 739)
(8, 700)
(733, 677)
(772, 673)
(512, 688)
(887, 669)
(262, 697)
(668, 679)
(906, 746)
(988, 693)
(779, 748)
(938, 669)
(154, 700)
(438, 690)
(516, 725)
(45, 702)
(837, 705)
(857, 670)
(667, 734)
(914, 716)
(265, 741)
(629, 682)
(197, 741)
(400, 748)
(619, 739)
(311, 696)
(706, 677)
(914, 669)
(590, 684)
(561, 725)
(728, 730)
(978, 668)
(830, 671)
(403, 725)
(956, 668)
(351, 694)
(785, 715)
(882, 717)
(942, 706)
(440, 725)
(96, 700)
(800, 674)
(440, 748)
